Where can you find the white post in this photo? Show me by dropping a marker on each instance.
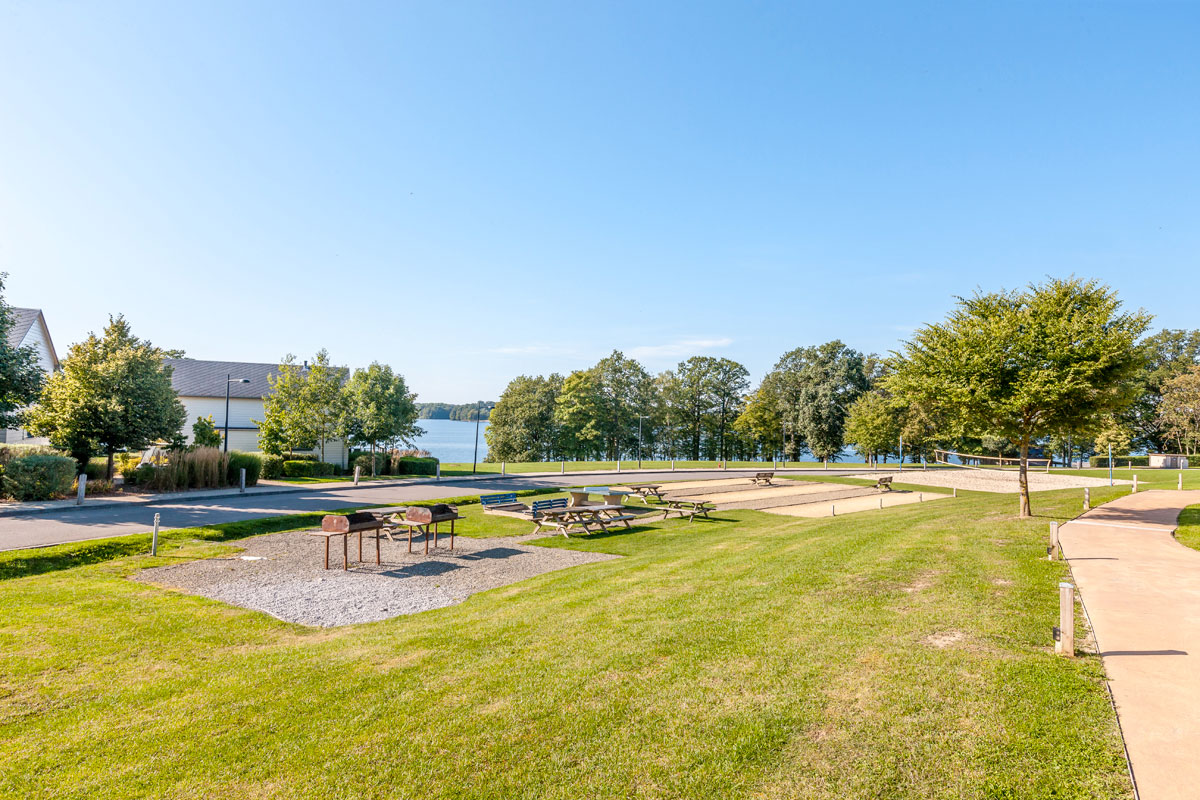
(826, 462)
(1087, 499)
(1181, 481)
(82, 488)
(503, 467)
(1052, 551)
(154, 538)
(1066, 620)
(832, 510)
(356, 471)
(920, 497)
(922, 463)
(1134, 484)
(724, 465)
(242, 480)
(564, 467)
(672, 465)
(618, 465)
(881, 502)
(439, 471)
(956, 491)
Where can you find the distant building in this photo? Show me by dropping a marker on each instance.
(29, 330)
(201, 388)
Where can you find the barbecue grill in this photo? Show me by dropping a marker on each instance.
(345, 524)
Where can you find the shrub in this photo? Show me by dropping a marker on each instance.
(272, 467)
(96, 468)
(10, 451)
(126, 463)
(205, 433)
(299, 469)
(363, 462)
(1101, 462)
(39, 477)
(325, 468)
(409, 465)
(251, 462)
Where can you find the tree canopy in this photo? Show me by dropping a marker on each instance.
(21, 377)
(377, 408)
(1179, 411)
(113, 393)
(1024, 364)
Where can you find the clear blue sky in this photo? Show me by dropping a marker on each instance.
(469, 191)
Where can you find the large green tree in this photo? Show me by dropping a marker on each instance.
(286, 425)
(113, 393)
(580, 415)
(817, 387)
(21, 377)
(377, 408)
(873, 426)
(1024, 364)
(522, 426)
(1168, 354)
(1179, 411)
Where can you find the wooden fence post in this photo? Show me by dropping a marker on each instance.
(1065, 645)
(1052, 550)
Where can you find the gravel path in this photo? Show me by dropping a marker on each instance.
(987, 480)
(282, 574)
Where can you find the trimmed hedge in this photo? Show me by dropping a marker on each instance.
(309, 469)
(410, 465)
(1101, 462)
(272, 467)
(251, 462)
(39, 477)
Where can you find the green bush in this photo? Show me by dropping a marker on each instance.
(363, 462)
(300, 469)
(251, 462)
(126, 463)
(96, 468)
(1119, 462)
(409, 465)
(272, 467)
(10, 451)
(39, 477)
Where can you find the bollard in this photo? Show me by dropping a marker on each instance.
(1052, 550)
(724, 464)
(1134, 485)
(1087, 499)
(826, 463)
(618, 465)
(564, 467)
(503, 467)
(923, 467)
(1181, 481)
(82, 489)
(154, 538)
(920, 497)
(832, 510)
(672, 465)
(439, 471)
(956, 491)
(881, 502)
(1065, 645)
(357, 470)
(242, 480)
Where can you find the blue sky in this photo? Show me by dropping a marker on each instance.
(470, 191)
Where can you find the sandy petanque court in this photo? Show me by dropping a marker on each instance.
(282, 574)
(991, 480)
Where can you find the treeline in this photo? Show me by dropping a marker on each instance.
(823, 398)
(463, 412)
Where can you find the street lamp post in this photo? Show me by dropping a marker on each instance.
(229, 380)
(478, 412)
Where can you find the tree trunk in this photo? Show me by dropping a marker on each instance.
(1023, 481)
(110, 464)
(372, 459)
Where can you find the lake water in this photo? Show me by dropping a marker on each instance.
(452, 441)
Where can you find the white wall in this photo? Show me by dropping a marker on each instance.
(35, 338)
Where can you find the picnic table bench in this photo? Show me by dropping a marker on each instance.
(884, 484)
(687, 508)
(762, 478)
(646, 490)
(558, 515)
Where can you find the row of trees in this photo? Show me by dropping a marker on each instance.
(462, 412)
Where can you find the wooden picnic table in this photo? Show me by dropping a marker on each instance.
(585, 517)
(646, 491)
(579, 497)
(687, 508)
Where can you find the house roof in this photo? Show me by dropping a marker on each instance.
(22, 320)
(193, 378)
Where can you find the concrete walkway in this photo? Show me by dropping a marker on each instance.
(1141, 589)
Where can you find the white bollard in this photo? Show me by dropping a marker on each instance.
(438, 477)
(1181, 481)
(564, 467)
(154, 538)
(1134, 484)
(357, 470)
(242, 480)
(832, 510)
(1087, 499)
(1065, 645)
(881, 502)
(1052, 550)
(920, 497)
(672, 465)
(618, 465)
(956, 491)
(503, 467)
(82, 489)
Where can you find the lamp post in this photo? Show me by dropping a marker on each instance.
(640, 418)
(229, 380)
(478, 412)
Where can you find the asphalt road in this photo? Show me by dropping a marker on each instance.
(19, 532)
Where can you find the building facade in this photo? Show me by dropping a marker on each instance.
(201, 388)
(29, 330)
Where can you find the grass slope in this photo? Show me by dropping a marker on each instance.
(752, 656)
(1189, 527)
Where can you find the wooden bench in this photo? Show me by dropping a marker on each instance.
(762, 478)
(884, 484)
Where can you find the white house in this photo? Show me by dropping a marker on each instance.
(29, 330)
(201, 388)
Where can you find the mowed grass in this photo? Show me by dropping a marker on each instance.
(902, 653)
(1147, 478)
(1188, 532)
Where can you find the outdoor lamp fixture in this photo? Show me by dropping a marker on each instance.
(229, 379)
(478, 412)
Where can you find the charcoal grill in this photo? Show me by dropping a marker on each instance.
(422, 518)
(344, 525)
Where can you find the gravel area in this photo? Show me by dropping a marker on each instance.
(282, 574)
(988, 480)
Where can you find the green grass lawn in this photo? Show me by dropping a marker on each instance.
(902, 653)
(1147, 478)
(1189, 527)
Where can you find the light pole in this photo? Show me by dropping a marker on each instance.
(229, 379)
(640, 418)
(478, 412)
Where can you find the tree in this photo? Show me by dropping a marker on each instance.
(761, 418)
(522, 425)
(580, 415)
(286, 426)
(728, 381)
(113, 393)
(1168, 354)
(1024, 364)
(21, 377)
(377, 407)
(818, 386)
(1179, 411)
(872, 426)
(205, 433)
(323, 397)
(1115, 435)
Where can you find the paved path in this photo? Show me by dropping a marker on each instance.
(79, 524)
(1141, 589)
